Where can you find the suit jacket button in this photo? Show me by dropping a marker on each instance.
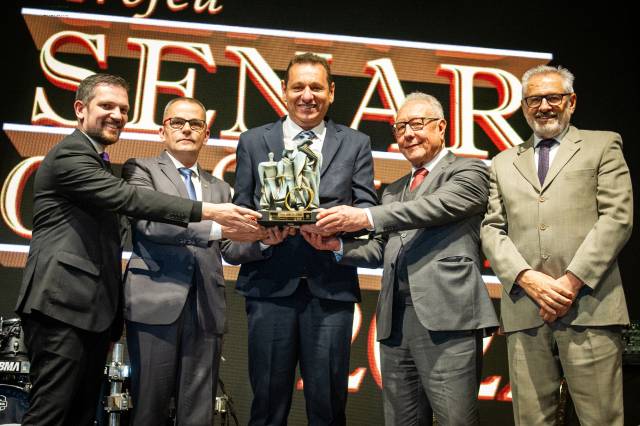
(403, 235)
(543, 226)
(545, 256)
(542, 199)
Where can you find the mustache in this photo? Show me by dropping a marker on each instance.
(118, 124)
(549, 114)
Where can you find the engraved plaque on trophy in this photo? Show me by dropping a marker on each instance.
(290, 187)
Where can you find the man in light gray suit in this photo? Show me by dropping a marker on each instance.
(433, 308)
(174, 286)
(560, 211)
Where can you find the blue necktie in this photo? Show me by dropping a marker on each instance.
(305, 135)
(543, 158)
(186, 176)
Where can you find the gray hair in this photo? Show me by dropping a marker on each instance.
(423, 97)
(565, 74)
(86, 88)
(183, 99)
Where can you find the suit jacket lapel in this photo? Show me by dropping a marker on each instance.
(568, 148)
(207, 186)
(169, 169)
(81, 136)
(274, 138)
(526, 164)
(332, 141)
(439, 167)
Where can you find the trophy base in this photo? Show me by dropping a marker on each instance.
(293, 218)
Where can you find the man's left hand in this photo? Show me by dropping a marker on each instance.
(571, 283)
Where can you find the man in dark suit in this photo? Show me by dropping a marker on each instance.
(433, 308)
(299, 302)
(560, 210)
(174, 288)
(70, 298)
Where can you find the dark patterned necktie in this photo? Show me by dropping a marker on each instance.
(543, 158)
(305, 135)
(418, 177)
(186, 176)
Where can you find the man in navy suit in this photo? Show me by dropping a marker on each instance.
(70, 299)
(299, 302)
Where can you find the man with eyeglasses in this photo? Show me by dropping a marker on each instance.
(560, 211)
(433, 308)
(174, 291)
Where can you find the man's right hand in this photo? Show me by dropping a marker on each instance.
(545, 291)
(320, 242)
(231, 216)
(244, 236)
(274, 235)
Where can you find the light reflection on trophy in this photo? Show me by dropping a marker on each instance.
(290, 187)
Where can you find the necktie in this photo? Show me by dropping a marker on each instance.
(543, 158)
(305, 135)
(186, 176)
(418, 177)
(107, 163)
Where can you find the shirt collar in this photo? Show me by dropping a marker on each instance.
(290, 129)
(430, 165)
(178, 164)
(97, 146)
(558, 138)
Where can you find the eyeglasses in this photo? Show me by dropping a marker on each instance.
(553, 100)
(178, 123)
(415, 123)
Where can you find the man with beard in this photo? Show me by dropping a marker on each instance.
(70, 300)
(560, 211)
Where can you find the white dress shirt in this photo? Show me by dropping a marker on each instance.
(553, 149)
(216, 229)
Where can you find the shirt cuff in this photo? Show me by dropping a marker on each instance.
(339, 254)
(263, 246)
(216, 232)
(370, 217)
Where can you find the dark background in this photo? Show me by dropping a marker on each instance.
(594, 42)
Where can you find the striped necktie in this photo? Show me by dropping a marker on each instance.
(186, 176)
(543, 158)
(418, 177)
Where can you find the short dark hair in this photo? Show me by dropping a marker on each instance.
(309, 58)
(183, 99)
(86, 88)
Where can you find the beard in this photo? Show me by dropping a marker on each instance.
(551, 128)
(102, 136)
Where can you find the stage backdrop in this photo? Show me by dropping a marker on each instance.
(184, 48)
